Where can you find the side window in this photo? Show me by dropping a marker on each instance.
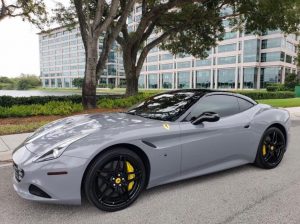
(244, 104)
(224, 105)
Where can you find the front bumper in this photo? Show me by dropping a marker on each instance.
(62, 189)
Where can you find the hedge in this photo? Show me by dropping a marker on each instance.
(9, 101)
(264, 95)
(50, 108)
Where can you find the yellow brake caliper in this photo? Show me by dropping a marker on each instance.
(264, 150)
(130, 169)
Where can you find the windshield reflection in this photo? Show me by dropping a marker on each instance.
(166, 106)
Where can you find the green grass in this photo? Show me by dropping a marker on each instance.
(291, 102)
(9, 129)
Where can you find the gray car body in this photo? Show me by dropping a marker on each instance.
(182, 150)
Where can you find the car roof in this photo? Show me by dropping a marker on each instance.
(204, 92)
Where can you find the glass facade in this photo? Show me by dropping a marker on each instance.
(203, 79)
(251, 50)
(142, 81)
(227, 48)
(271, 43)
(250, 78)
(269, 75)
(152, 81)
(204, 62)
(167, 80)
(227, 60)
(272, 56)
(226, 78)
(183, 80)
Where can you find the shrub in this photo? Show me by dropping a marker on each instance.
(124, 102)
(261, 95)
(50, 108)
(275, 87)
(78, 82)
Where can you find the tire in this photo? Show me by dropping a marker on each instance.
(271, 149)
(115, 180)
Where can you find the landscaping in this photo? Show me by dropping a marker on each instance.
(26, 114)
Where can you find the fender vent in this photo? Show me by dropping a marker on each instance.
(149, 144)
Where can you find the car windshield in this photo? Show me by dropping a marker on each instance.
(166, 106)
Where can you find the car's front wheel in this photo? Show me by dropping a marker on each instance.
(115, 179)
(271, 149)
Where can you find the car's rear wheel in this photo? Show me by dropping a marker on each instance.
(115, 179)
(271, 149)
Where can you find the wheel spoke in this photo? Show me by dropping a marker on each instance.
(274, 137)
(268, 156)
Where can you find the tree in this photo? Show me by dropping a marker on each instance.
(95, 18)
(27, 82)
(194, 26)
(78, 82)
(33, 11)
(291, 80)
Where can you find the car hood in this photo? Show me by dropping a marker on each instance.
(81, 125)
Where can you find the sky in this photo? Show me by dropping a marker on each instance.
(19, 46)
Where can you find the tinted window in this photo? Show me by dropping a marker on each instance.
(223, 105)
(166, 106)
(244, 104)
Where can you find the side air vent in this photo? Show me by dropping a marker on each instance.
(38, 192)
(149, 144)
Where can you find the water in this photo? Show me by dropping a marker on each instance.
(27, 93)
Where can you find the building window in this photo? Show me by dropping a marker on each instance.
(251, 50)
(166, 57)
(142, 81)
(271, 43)
(152, 81)
(203, 79)
(272, 56)
(185, 64)
(250, 78)
(230, 35)
(226, 78)
(227, 60)
(183, 80)
(269, 75)
(152, 58)
(289, 59)
(152, 67)
(166, 66)
(205, 62)
(167, 80)
(227, 48)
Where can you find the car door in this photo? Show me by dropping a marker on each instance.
(212, 146)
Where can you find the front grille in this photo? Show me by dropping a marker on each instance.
(19, 173)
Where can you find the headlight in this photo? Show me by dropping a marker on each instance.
(58, 149)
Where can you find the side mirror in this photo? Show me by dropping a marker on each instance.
(206, 116)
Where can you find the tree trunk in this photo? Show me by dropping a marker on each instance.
(132, 85)
(131, 73)
(89, 99)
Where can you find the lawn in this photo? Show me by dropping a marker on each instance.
(292, 102)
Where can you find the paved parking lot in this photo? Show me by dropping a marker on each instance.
(241, 195)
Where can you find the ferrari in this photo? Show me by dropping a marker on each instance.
(111, 158)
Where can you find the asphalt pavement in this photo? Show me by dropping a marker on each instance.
(241, 195)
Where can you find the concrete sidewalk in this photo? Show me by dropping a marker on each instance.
(9, 142)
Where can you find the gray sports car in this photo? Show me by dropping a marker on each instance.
(110, 158)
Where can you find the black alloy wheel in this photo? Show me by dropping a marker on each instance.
(271, 149)
(115, 180)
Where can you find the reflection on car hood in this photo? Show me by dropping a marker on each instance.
(60, 130)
